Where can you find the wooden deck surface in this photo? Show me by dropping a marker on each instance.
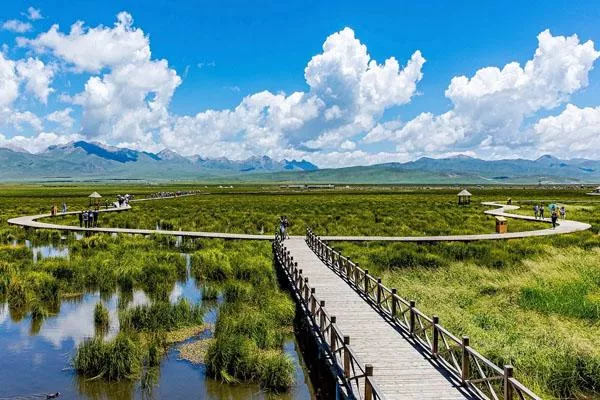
(401, 371)
(567, 226)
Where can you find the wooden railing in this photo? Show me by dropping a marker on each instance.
(355, 377)
(484, 378)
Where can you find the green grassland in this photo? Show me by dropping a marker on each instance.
(532, 302)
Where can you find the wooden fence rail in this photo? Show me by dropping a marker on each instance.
(484, 378)
(356, 377)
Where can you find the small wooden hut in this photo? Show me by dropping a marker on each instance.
(464, 197)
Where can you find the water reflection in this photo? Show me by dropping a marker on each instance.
(36, 353)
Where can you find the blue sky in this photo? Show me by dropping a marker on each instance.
(245, 61)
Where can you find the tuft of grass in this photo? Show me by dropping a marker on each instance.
(101, 318)
(161, 316)
(118, 359)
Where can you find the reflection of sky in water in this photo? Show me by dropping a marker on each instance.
(40, 363)
(48, 251)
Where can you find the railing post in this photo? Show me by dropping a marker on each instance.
(412, 320)
(508, 389)
(306, 290)
(346, 356)
(366, 282)
(466, 367)
(394, 304)
(379, 292)
(368, 387)
(436, 336)
(298, 282)
(322, 319)
(313, 301)
(332, 336)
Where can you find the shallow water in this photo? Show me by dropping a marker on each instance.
(36, 355)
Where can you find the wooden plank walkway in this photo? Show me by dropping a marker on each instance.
(401, 371)
(566, 226)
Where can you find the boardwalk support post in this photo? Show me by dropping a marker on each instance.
(466, 367)
(368, 387)
(367, 282)
(412, 319)
(508, 390)
(378, 292)
(436, 336)
(322, 318)
(393, 311)
(313, 301)
(346, 356)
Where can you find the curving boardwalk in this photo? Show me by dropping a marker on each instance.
(566, 226)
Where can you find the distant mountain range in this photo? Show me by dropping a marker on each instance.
(84, 160)
(93, 161)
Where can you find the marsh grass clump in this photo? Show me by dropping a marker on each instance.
(210, 292)
(211, 264)
(101, 317)
(120, 358)
(161, 316)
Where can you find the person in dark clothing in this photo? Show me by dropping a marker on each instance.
(541, 212)
(554, 219)
(81, 219)
(95, 218)
(85, 219)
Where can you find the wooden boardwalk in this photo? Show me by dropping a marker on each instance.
(566, 226)
(401, 371)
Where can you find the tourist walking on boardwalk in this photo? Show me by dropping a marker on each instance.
(64, 207)
(536, 211)
(96, 213)
(281, 228)
(563, 213)
(286, 225)
(81, 219)
(85, 219)
(541, 212)
(554, 218)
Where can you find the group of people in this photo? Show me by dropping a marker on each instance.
(555, 211)
(54, 209)
(284, 223)
(88, 219)
(160, 195)
(124, 200)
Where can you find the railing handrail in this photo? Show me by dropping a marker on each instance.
(346, 361)
(473, 369)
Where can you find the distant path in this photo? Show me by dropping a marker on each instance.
(566, 226)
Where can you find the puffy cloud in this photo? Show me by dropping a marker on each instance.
(34, 14)
(38, 143)
(91, 49)
(37, 76)
(256, 126)
(14, 25)
(129, 100)
(575, 132)
(489, 108)
(355, 88)
(62, 118)
(17, 119)
(9, 82)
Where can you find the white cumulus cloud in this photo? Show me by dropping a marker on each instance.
(14, 25)
(489, 107)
